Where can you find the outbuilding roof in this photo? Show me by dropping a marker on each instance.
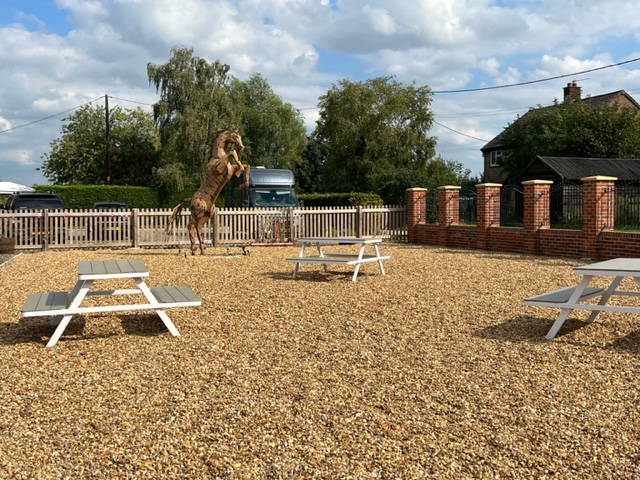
(575, 168)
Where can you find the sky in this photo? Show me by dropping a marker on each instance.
(486, 61)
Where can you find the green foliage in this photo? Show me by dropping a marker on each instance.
(273, 132)
(308, 172)
(193, 105)
(170, 200)
(339, 199)
(370, 128)
(79, 155)
(392, 185)
(571, 130)
(84, 196)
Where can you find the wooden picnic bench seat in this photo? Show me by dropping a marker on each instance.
(337, 259)
(561, 296)
(55, 303)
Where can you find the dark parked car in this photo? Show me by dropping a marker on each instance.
(114, 225)
(34, 201)
(32, 230)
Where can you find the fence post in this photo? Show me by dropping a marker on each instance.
(597, 211)
(487, 211)
(448, 210)
(536, 211)
(416, 210)
(135, 219)
(359, 215)
(46, 228)
(292, 226)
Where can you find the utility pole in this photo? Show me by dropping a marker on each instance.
(107, 150)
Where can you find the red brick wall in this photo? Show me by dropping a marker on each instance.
(596, 240)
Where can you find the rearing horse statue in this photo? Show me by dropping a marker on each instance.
(219, 171)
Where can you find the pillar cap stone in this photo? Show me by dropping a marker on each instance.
(599, 177)
(538, 182)
(489, 185)
(416, 189)
(449, 187)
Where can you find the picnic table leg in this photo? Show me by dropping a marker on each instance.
(325, 267)
(297, 265)
(160, 311)
(379, 261)
(81, 288)
(357, 269)
(562, 316)
(605, 297)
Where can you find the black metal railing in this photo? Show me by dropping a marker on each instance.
(511, 206)
(468, 204)
(627, 205)
(565, 205)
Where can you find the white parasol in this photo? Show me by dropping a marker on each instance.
(7, 188)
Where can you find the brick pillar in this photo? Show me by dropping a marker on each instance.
(487, 211)
(536, 212)
(597, 211)
(416, 210)
(448, 211)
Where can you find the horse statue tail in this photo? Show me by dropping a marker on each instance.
(176, 211)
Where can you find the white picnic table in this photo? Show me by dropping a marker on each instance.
(572, 298)
(64, 305)
(338, 258)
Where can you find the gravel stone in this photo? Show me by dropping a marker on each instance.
(435, 370)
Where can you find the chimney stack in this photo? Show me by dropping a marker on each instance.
(572, 92)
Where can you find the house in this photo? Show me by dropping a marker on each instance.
(494, 151)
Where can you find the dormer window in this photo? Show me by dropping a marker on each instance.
(496, 158)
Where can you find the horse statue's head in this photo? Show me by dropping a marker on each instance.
(227, 136)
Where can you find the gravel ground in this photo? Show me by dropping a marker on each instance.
(435, 370)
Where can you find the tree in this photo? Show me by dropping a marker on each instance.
(273, 131)
(576, 129)
(193, 105)
(308, 172)
(372, 128)
(79, 156)
(392, 185)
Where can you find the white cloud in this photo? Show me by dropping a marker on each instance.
(449, 45)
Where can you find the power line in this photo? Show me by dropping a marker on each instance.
(50, 116)
(460, 133)
(132, 101)
(534, 81)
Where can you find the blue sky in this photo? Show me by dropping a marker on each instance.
(57, 55)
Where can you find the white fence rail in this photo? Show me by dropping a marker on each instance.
(53, 229)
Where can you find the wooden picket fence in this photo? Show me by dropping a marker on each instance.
(65, 229)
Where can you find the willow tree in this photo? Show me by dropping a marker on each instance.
(273, 131)
(193, 104)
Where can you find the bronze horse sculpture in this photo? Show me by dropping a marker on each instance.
(218, 172)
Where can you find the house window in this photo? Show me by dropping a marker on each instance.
(496, 158)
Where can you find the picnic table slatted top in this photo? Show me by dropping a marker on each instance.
(116, 268)
(615, 266)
